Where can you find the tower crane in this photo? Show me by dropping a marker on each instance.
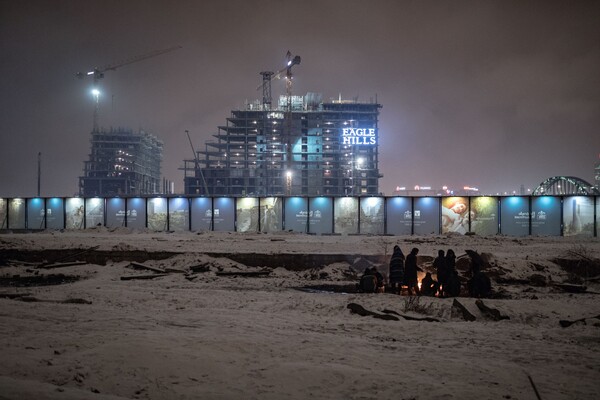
(98, 73)
(266, 86)
(270, 75)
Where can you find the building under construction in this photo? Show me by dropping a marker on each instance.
(122, 162)
(303, 146)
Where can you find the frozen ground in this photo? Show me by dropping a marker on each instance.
(201, 335)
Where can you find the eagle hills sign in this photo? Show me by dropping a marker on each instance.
(358, 136)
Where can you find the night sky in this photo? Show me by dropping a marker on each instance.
(493, 94)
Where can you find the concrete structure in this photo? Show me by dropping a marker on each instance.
(122, 162)
(303, 147)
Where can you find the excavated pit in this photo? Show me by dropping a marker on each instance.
(91, 256)
(37, 280)
(292, 262)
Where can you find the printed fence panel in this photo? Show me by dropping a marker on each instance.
(320, 215)
(372, 216)
(296, 214)
(271, 214)
(426, 218)
(55, 213)
(399, 215)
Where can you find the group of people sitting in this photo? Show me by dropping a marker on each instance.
(403, 272)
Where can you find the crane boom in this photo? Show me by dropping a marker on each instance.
(197, 164)
(139, 58)
(98, 73)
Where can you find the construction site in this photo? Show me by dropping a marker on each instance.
(121, 161)
(301, 145)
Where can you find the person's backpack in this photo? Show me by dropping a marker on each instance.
(368, 284)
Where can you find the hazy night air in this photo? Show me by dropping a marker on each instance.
(489, 94)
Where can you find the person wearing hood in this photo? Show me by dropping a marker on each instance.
(396, 270)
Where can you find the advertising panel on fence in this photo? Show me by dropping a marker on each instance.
(55, 214)
(455, 214)
(345, 212)
(597, 216)
(136, 213)
(179, 214)
(426, 215)
(484, 215)
(399, 216)
(514, 216)
(16, 214)
(247, 214)
(296, 214)
(201, 214)
(3, 214)
(271, 217)
(224, 214)
(545, 216)
(372, 215)
(156, 210)
(74, 213)
(35, 213)
(94, 212)
(115, 212)
(320, 215)
(578, 216)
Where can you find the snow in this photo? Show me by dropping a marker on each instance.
(200, 335)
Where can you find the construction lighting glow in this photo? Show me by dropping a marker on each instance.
(96, 92)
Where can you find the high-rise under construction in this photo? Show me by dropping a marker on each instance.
(122, 162)
(304, 146)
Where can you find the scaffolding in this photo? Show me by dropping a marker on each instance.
(264, 151)
(122, 162)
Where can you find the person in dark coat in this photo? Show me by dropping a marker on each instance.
(450, 261)
(368, 282)
(410, 272)
(442, 272)
(380, 280)
(397, 270)
(476, 262)
(480, 284)
(429, 287)
(453, 287)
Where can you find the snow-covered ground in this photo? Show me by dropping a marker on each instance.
(201, 335)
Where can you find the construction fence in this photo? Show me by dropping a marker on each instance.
(480, 215)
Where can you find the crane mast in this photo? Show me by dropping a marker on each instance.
(287, 136)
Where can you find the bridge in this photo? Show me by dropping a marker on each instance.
(565, 185)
